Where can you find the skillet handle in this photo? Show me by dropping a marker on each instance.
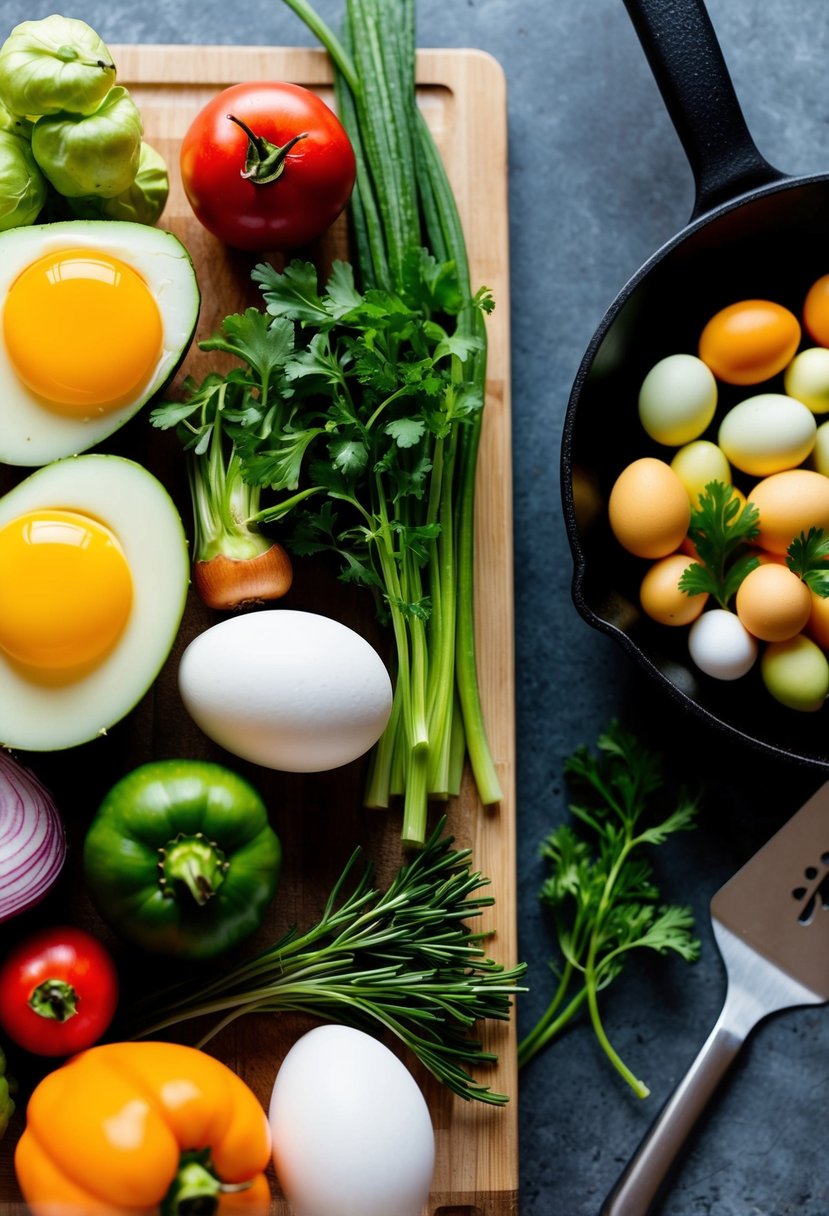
(688, 66)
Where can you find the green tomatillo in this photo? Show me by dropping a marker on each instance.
(15, 124)
(23, 189)
(95, 154)
(180, 858)
(56, 63)
(141, 203)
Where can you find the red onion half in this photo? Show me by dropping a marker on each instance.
(32, 839)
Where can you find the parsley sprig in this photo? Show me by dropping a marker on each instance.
(600, 888)
(721, 529)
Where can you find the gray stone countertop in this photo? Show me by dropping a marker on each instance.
(598, 181)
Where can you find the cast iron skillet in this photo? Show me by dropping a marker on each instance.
(754, 232)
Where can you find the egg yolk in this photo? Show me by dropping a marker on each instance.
(83, 331)
(65, 590)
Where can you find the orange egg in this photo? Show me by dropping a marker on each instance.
(816, 311)
(789, 503)
(749, 341)
(648, 508)
(660, 596)
(773, 603)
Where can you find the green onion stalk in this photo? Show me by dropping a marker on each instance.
(403, 202)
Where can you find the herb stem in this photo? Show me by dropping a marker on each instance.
(550, 1025)
(402, 960)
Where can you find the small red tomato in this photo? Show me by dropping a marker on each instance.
(267, 166)
(58, 992)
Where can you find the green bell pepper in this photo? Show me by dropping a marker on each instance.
(180, 858)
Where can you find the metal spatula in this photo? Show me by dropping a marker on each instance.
(771, 923)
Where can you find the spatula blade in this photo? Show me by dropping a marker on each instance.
(771, 923)
(777, 904)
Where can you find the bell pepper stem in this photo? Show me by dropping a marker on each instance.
(195, 1190)
(192, 862)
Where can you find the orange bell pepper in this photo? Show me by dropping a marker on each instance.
(127, 1128)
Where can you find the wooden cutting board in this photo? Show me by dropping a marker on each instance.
(319, 818)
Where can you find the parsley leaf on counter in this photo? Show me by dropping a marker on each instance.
(601, 889)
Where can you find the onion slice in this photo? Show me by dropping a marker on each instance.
(32, 839)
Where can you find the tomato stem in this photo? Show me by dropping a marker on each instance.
(54, 999)
(264, 161)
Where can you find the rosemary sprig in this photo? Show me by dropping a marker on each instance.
(403, 960)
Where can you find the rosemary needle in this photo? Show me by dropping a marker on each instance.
(402, 960)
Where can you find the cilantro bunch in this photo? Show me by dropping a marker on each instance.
(600, 888)
(357, 413)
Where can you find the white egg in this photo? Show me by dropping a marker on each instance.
(289, 690)
(720, 645)
(351, 1130)
(96, 316)
(79, 647)
(677, 399)
(767, 433)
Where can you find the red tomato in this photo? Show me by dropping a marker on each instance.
(256, 188)
(58, 992)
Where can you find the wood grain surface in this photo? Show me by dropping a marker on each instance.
(320, 817)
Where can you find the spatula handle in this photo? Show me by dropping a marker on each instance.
(647, 1170)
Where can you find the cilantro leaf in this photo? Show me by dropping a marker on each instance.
(808, 557)
(250, 336)
(280, 465)
(720, 530)
(406, 432)
(293, 293)
(350, 456)
(171, 413)
(318, 358)
(458, 345)
(341, 295)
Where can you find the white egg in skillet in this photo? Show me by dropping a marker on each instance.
(94, 570)
(96, 316)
